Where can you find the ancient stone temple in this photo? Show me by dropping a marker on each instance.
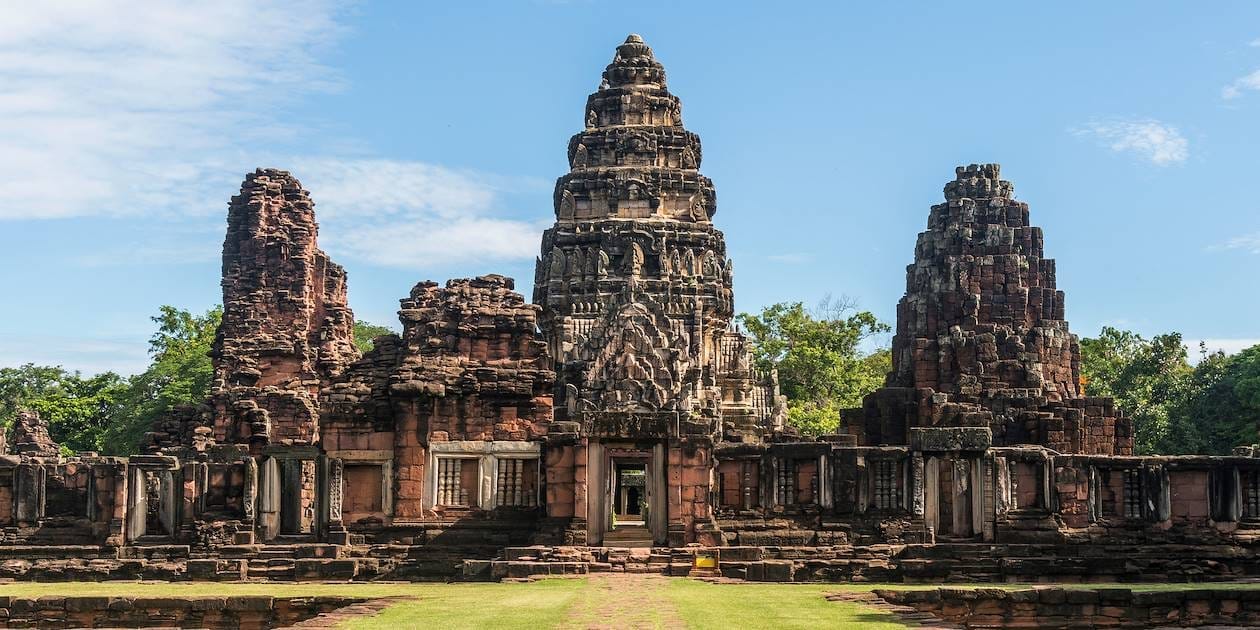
(617, 424)
(981, 339)
(636, 291)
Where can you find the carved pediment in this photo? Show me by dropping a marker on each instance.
(633, 361)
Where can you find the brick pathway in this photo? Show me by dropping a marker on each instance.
(624, 601)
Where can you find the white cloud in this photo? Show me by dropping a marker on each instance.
(412, 214)
(1250, 82)
(145, 106)
(1247, 242)
(149, 108)
(1148, 139)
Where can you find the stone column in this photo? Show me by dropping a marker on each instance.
(931, 496)
(167, 513)
(249, 501)
(658, 489)
(28, 491)
(1235, 496)
(137, 504)
(337, 533)
(269, 499)
(596, 494)
(916, 486)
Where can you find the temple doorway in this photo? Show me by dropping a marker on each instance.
(630, 493)
(627, 502)
(950, 501)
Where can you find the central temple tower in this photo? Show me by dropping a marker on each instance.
(635, 288)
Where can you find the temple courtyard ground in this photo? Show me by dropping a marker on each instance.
(620, 601)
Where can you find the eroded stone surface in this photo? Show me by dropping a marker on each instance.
(287, 328)
(30, 436)
(981, 336)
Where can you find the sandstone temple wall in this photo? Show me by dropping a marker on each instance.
(493, 437)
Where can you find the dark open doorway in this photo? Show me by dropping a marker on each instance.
(630, 493)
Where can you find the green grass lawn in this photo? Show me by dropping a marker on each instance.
(563, 603)
(722, 606)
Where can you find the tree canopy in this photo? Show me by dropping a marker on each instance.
(1207, 408)
(818, 354)
(110, 413)
(365, 332)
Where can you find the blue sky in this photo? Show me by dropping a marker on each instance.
(430, 135)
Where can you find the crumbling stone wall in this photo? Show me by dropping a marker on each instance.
(469, 366)
(981, 336)
(287, 328)
(30, 436)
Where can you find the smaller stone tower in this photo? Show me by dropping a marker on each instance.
(287, 328)
(981, 336)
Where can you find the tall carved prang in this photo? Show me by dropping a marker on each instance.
(635, 287)
(287, 328)
(981, 336)
(633, 278)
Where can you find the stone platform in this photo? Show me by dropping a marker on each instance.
(939, 563)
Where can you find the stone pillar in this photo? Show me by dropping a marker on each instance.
(337, 533)
(245, 534)
(932, 496)
(1235, 497)
(167, 509)
(824, 482)
(596, 494)
(487, 471)
(28, 491)
(137, 504)
(916, 486)
(657, 489)
(269, 499)
(985, 505)
(1005, 495)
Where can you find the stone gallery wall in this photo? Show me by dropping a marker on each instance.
(489, 423)
(1085, 608)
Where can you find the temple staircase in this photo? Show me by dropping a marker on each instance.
(632, 536)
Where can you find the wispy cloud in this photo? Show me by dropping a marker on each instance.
(1246, 242)
(411, 214)
(1246, 83)
(146, 106)
(152, 109)
(1148, 139)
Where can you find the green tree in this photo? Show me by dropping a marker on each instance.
(180, 374)
(364, 333)
(1221, 407)
(1149, 379)
(77, 409)
(822, 368)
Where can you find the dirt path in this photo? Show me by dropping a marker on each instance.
(624, 601)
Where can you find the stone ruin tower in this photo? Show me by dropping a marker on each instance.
(636, 293)
(287, 328)
(981, 337)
